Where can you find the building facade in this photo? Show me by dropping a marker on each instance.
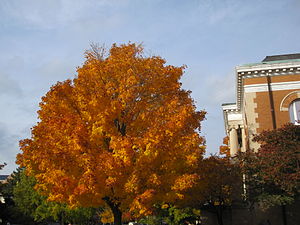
(268, 96)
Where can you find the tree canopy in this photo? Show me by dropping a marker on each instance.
(122, 132)
(274, 171)
(218, 186)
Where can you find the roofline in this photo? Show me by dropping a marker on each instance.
(290, 56)
(267, 65)
(232, 103)
(229, 107)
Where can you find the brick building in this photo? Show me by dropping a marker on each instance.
(268, 96)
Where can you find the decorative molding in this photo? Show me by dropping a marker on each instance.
(275, 86)
(262, 70)
(288, 99)
(229, 107)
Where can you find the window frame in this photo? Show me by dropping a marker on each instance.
(294, 111)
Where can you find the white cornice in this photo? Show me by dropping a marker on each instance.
(229, 107)
(230, 113)
(262, 70)
(267, 66)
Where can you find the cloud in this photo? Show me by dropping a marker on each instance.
(32, 12)
(217, 12)
(8, 149)
(56, 69)
(9, 87)
(221, 11)
(50, 14)
(211, 90)
(223, 88)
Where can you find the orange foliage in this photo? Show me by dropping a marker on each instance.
(225, 149)
(123, 130)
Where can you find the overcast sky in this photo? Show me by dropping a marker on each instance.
(42, 42)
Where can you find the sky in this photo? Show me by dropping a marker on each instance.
(42, 42)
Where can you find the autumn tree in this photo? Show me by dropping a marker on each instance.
(122, 133)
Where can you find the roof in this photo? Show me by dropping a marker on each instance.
(275, 59)
(225, 104)
(281, 57)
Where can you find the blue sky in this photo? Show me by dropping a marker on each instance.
(42, 42)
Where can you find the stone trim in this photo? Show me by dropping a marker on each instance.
(279, 86)
(288, 99)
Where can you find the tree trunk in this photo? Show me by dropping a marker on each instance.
(115, 210)
(219, 212)
(283, 209)
(62, 219)
(117, 216)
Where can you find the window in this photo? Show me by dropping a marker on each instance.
(294, 111)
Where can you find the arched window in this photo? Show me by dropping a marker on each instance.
(294, 111)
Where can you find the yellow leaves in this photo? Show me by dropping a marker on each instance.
(110, 181)
(106, 216)
(154, 179)
(121, 129)
(148, 194)
(165, 206)
(192, 159)
(145, 211)
(184, 182)
(168, 132)
(148, 150)
(132, 184)
(180, 196)
(56, 197)
(140, 203)
(132, 79)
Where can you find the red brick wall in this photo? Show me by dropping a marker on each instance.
(262, 99)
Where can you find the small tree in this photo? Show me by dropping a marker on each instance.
(123, 132)
(172, 215)
(219, 184)
(32, 204)
(273, 173)
(9, 212)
